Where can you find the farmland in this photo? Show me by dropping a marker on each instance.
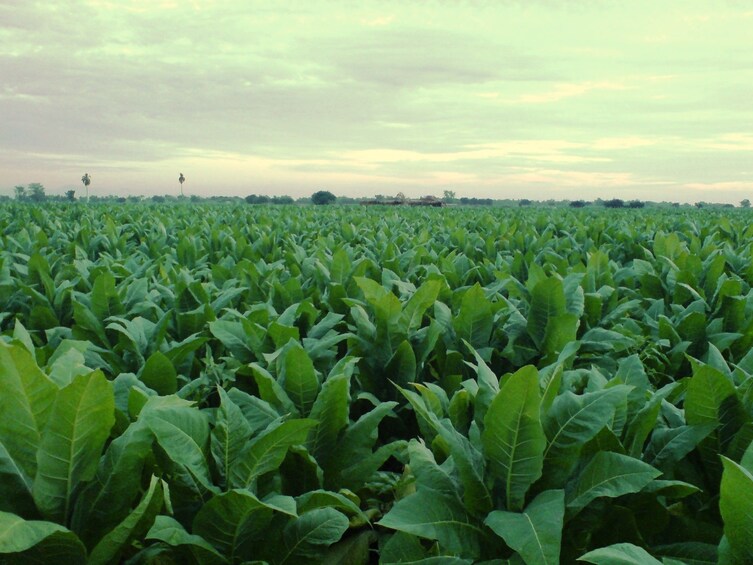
(229, 384)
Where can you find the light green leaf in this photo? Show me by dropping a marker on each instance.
(79, 425)
(513, 437)
(736, 507)
(25, 404)
(230, 433)
(330, 409)
(620, 554)
(474, 320)
(547, 303)
(422, 300)
(298, 377)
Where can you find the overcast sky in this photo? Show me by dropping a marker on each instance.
(504, 99)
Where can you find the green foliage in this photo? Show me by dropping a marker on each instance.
(323, 197)
(232, 383)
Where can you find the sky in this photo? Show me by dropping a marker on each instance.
(563, 99)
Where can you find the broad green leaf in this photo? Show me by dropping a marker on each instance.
(230, 433)
(170, 531)
(266, 452)
(183, 434)
(233, 522)
(79, 425)
(572, 421)
(108, 499)
(32, 541)
(736, 507)
(669, 445)
(474, 320)
(429, 515)
(15, 487)
(547, 303)
(620, 554)
(330, 409)
(105, 301)
(159, 374)
(707, 390)
(351, 550)
(312, 532)
(67, 362)
(298, 377)
(513, 437)
(536, 533)
(25, 404)
(689, 553)
(424, 298)
(470, 464)
(609, 475)
(134, 526)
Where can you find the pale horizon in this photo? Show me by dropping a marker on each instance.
(506, 100)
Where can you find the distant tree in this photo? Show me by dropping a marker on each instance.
(578, 204)
(36, 192)
(71, 195)
(636, 204)
(181, 180)
(284, 199)
(87, 180)
(157, 198)
(745, 203)
(257, 199)
(20, 192)
(700, 204)
(613, 203)
(449, 196)
(524, 202)
(323, 197)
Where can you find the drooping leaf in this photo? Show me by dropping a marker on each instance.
(170, 531)
(32, 541)
(313, 532)
(620, 554)
(609, 475)
(536, 533)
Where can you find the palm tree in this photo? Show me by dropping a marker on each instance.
(181, 180)
(87, 180)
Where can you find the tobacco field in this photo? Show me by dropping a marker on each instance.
(226, 384)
